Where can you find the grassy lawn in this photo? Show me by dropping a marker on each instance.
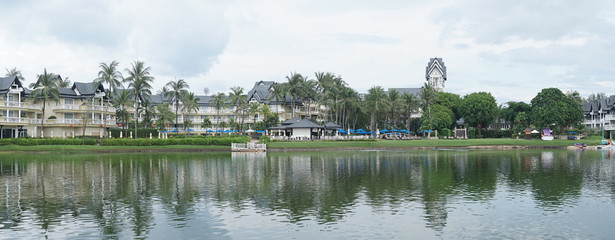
(430, 143)
(90, 148)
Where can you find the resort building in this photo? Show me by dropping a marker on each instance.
(83, 109)
(600, 115)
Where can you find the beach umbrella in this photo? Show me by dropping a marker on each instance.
(164, 131)
(219, 131)
(384, 131)
(341, 131)
(174, 130)
(227, 131)
(394, 130)
(190, 130)
(249, 130)
(209, 131)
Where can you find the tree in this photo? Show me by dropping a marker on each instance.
(576, 96)
(110, 75)
(295, 89)
(206, 123)
(120, 101)
(278, 94)
(165, 115)
(479, 110)
(191, 104)
(410, 105)
(176, 91)
(239, 100)
(450, 101)
(512, 110)
(253, 108)
(377, 102)
(427, 94)
(63, 83)
(594, 97)
(442, 117)
(218, 101)
(551, 107)
(139, 80)
(394, 109)
(14, 72)
(45, 88)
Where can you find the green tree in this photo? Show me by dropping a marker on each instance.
(139, 80)
(120, 101)
(427, 94)
(377, 102)
(479, 110)
(219, 102)
(45, 88)
(253, 108)
(450, 101)
(295, 89)
(512, 109)
(238, 99)
(394, 109)
(277, 95)
(190, 104)
(594, 97)
(206, 123)
(110, 75)
(441, 117)
(63, 83)
(14, 72)
(551, 107)
(576, 96)
(410, 105)
(176, 91)
(164, 115)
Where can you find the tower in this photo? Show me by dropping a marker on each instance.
(435, 73)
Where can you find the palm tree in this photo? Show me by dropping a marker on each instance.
(395, 101)
(410, 105)
(139, 80)
(120, 101)
(218, 101)
(14, 72)
(253, 109)
(190, 104)
(177, 90)
(278, 94)
(206, 123)
(164, 115)
(45, 87)
(377, 102)
(239, 100)
(295, 89)
(63, 83)
(110, 75)
(428, 98)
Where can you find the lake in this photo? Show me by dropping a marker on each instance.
(523, 194)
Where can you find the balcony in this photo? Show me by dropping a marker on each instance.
(76, 107)
(20, 105)
(80, 121)
(19, 120)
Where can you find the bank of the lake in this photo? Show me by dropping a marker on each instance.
(495, 143)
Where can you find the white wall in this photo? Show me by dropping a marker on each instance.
(301, 132)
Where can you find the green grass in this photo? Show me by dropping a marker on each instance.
(429, 143)
(90, 148)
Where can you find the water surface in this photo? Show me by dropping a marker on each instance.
(328, 195)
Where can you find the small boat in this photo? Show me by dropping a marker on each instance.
(579, 145)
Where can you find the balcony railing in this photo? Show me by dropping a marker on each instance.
(80, 121)
(12, 104)
(84, 108)
(20, 120)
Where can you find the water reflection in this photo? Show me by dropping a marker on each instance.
(158, 195)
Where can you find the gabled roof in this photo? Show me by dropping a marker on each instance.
(6, 82)
(435, 64)
(290, 121)
(260, 91)
(87, 89)
(304, 123)
(332, 125)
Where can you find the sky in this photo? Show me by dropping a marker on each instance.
(510, 48)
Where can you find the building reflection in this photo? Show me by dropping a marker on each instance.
(119, 191)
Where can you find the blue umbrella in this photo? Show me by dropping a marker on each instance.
(191, 130)
(235, 130)
(174, 130)
(395, 130)
(219, 131)
(227, 131)
(384, 131)
(164, 131)
(341, 131)
(210, 130)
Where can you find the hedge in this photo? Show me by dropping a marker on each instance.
(220, 141)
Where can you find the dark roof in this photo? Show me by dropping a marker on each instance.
(413, 91)
(67, 93)
(261, 93)
(6, 82)
(435, 63)
(87, 89)
(290, 121)
(332, 125)
(304, 123)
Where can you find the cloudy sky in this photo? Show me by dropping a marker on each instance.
(511, 48)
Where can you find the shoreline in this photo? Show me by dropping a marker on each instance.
(78, 150)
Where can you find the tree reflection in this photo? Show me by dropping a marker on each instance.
(121, 192)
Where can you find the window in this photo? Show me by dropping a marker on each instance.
(69, 115)
(68, 101)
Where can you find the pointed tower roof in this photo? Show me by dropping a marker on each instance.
(435, 64)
